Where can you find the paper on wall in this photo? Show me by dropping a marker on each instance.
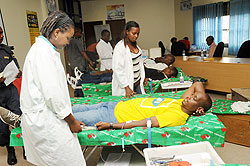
(10, 72)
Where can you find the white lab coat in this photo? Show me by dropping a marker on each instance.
(105, 52)
(45, 102)
(123, 74)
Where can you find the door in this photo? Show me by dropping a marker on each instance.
(116, 27)
(89, 31)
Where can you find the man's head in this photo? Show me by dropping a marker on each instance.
(173, 40)
(197, 103)
(167, 59)
(210, 40)
(78, 32)
(170, 72)
(105, 35)
(185, 38)
(1, 35)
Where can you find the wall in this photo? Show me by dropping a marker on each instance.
(156, 18)
(16, 27)
(15, 22)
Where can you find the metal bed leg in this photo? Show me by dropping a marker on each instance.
(91, 152)
(138, 150)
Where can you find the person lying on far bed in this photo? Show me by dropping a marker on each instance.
(169, 72)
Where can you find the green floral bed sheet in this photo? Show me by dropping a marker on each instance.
(220, 106)
(197, 129)
(96, 90)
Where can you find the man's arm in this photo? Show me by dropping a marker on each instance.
(87, 58)
(197, 86)
(140, 123)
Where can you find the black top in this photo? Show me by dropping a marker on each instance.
(177, 49)
(6, 56)
(154, 74)
(244, 51)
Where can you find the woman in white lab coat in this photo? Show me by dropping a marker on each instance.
(47, 123)
(128, 70)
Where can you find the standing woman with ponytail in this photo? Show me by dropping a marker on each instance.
(47, 123)
(128, 69)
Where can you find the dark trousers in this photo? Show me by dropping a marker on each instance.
(9, 99)
(96, 79)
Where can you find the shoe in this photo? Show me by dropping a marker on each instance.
(11, 156)
(78, 73)
(73, 82)
(9, 117)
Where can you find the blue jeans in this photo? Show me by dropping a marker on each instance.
(91, 114)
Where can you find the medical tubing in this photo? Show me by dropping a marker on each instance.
(123, 149)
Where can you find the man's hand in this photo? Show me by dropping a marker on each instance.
(2, 79)
(91, 63)
(145, 82)
(102, 125)
(129, 92)
(19, 74)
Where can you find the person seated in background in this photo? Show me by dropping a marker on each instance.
(168, 48)
(212, 45)
(186, 42)
(163, 112)
(75, 53)
(161, 45)
(169, 72)
(160, 63)
(244, 51)
(105, 50)
(178, 48)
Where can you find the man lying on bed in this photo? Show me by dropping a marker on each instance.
(169, 72)
(163, 112)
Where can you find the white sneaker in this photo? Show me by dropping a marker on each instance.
(73, 82)
(9, 117)
(78, 73)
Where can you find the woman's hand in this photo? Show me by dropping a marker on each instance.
(75, 127)
(129, 92)
(102, 125)
(145, 82)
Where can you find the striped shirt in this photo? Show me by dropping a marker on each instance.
(136, 58)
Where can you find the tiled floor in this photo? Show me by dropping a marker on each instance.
(230, 154)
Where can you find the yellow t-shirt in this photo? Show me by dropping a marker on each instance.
(167, 111)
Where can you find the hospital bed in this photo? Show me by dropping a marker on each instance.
(103, 89)
(197, 129)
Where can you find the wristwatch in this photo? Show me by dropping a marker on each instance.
(111, 125)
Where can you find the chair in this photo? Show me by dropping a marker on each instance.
(163, 49)
(244, 51)
(219, 50)
(177, 49)
(154, 52)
